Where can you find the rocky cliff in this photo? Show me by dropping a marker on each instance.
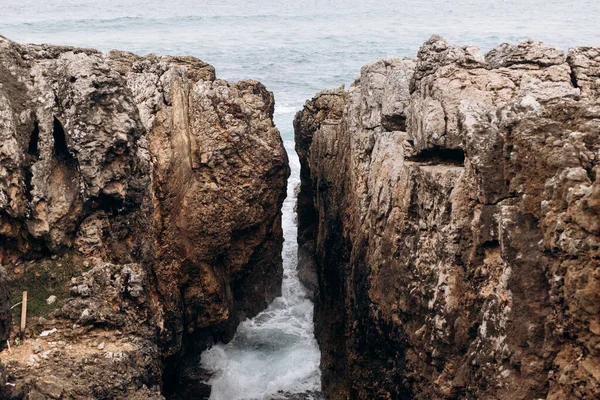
(450, 207)
(144, 194)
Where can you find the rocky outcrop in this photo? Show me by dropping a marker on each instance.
(145, 194)
(101, 345)
(450, 207)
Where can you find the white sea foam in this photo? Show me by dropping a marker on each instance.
(286, 109)
(276, 350)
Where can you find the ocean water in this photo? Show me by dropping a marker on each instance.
(295, 48)
(275, 351)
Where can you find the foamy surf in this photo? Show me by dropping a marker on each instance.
(286, 109)
(275, 354)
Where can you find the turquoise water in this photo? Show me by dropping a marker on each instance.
(295, 48)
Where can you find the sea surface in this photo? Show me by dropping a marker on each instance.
(296, 48)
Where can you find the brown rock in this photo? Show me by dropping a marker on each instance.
(456, 250)
(159, 181)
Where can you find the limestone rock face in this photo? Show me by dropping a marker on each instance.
(151, 169)
(450, 207)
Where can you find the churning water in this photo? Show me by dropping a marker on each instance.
(276, 350)
(296, 48)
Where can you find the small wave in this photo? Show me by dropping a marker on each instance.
(285, 109)
(276, 351)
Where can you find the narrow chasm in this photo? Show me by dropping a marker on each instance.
(273, 355)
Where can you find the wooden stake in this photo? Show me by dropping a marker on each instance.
(24, 311)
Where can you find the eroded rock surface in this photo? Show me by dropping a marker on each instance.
(160, 186)
(451, 208)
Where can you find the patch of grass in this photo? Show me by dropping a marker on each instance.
(42, 279)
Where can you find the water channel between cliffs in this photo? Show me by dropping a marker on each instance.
(276, 351)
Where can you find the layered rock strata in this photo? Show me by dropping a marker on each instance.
(146, 194)
(450, 207)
